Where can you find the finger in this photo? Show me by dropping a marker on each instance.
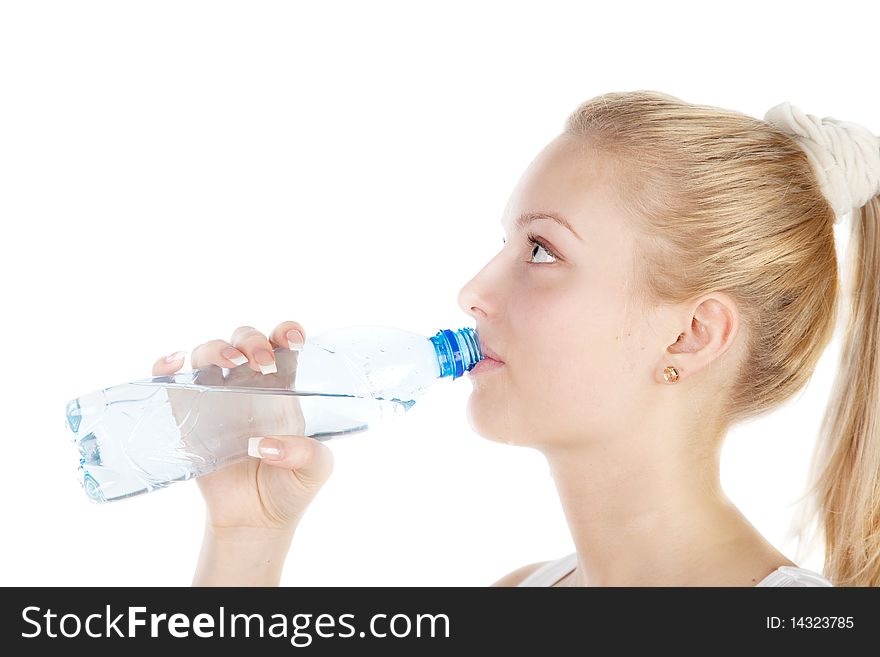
(217, 352)
(310, 459)
(288, 335)
(256, 347)
(165, 366)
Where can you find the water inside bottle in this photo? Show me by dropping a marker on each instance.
(320, 410)
(140, 436)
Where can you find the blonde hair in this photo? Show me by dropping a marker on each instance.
(722, 201)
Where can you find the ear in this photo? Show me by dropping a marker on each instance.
(712, 330)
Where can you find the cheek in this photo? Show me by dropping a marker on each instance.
(562, 333)
(574, 374)
(581, 369)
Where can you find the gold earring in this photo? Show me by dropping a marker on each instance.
(670, 374)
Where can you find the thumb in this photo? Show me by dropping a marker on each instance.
(310, 459)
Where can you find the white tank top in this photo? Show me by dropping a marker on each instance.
(553, 571)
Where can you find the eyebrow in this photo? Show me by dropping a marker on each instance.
(527, 217)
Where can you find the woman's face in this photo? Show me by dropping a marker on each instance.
(576, 366)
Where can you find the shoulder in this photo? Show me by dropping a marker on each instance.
(513, 578)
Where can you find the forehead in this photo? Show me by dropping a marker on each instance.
(566, 178)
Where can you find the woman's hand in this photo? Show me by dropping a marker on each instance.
(264, 496)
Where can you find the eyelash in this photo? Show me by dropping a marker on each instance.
(534, 240)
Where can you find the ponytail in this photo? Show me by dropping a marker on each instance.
(844, 494)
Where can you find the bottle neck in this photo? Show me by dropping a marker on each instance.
(457, 351)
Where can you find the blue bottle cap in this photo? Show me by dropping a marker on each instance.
(457, 351)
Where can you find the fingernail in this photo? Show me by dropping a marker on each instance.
(177, 355)
(295, 340)
(234, 355)
(265, 361)
(262, 447)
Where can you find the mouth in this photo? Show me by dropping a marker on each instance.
(488, 354)
(489, 362)
(485, 365)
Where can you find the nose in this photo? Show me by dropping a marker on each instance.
(478, 297)
(482, 296)
(469, 300)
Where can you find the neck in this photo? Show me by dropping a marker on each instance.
(648, 512)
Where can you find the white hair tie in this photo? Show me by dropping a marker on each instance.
(844, 155)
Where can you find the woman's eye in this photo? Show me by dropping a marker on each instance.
(535, 242)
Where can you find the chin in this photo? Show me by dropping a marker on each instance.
(489, 420)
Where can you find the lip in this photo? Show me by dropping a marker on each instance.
(486, 365)
(488, 353)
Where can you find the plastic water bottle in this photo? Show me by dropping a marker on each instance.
(140, 436)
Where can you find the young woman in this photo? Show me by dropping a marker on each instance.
(669, 270)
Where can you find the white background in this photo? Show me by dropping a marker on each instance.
(172, 170)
